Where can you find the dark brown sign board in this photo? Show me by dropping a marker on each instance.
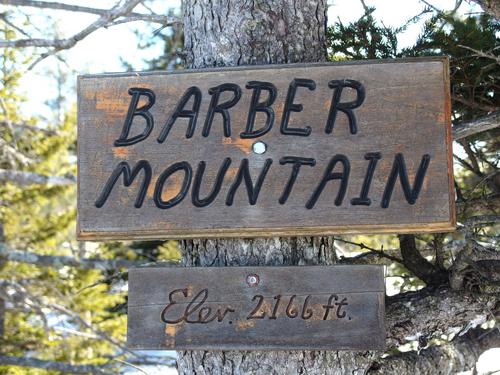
(244, 308)
(315, 149)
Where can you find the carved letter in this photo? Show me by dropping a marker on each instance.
(244, 173)
(183, 165)
(342, 176)
(346, 107)
(195, 192)
(191, 114)
(256, 106)
(128, 178)
(134, 111)
(290, 106)
(330, 305)
(221, 108)
(399, 169)
(363, 199)
(170, 304)
(297, 162)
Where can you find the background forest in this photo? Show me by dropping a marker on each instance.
(63, 302)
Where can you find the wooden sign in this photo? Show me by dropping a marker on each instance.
(243, 308)
(261, 151)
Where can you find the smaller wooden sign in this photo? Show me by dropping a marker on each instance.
(244, 308)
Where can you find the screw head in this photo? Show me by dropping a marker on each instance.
(253, 280)
(259, 147)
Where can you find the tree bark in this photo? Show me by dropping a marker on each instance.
(230, 33)
(454, 357)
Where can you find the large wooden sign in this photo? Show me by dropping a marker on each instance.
(315, 307)
(275, 150)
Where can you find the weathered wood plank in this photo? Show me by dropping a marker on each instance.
(403, 116)
(332, 307)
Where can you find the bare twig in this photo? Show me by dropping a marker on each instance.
(121, 11)
(362, 246)
(155, 18)
(482, 53)
(60, 44)
(475, 105)
(3, 17)
(131, 365)
(468, 128)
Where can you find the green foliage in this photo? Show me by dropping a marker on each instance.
(172, 41)
(474, 78)
(363, 39)
(466, 41)
(52, 315)
(471, 43)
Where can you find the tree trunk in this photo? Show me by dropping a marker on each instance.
(229, 33)
(232, 32)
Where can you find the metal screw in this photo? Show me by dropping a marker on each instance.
(253, 280)
(259, 147)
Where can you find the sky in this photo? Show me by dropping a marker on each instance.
(104, 50)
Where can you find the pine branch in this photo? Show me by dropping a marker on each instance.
(459, 355)
(13, 155)
(51, 365)
(417, 264)
(479, 125)
(474, 105)
(26, 127)
(489, 203)
(480, 220)
(21, 178)
(21, 295)
(59, 261)
(431, 313)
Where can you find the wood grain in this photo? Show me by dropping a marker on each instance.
(406, 111)
(358, 324)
